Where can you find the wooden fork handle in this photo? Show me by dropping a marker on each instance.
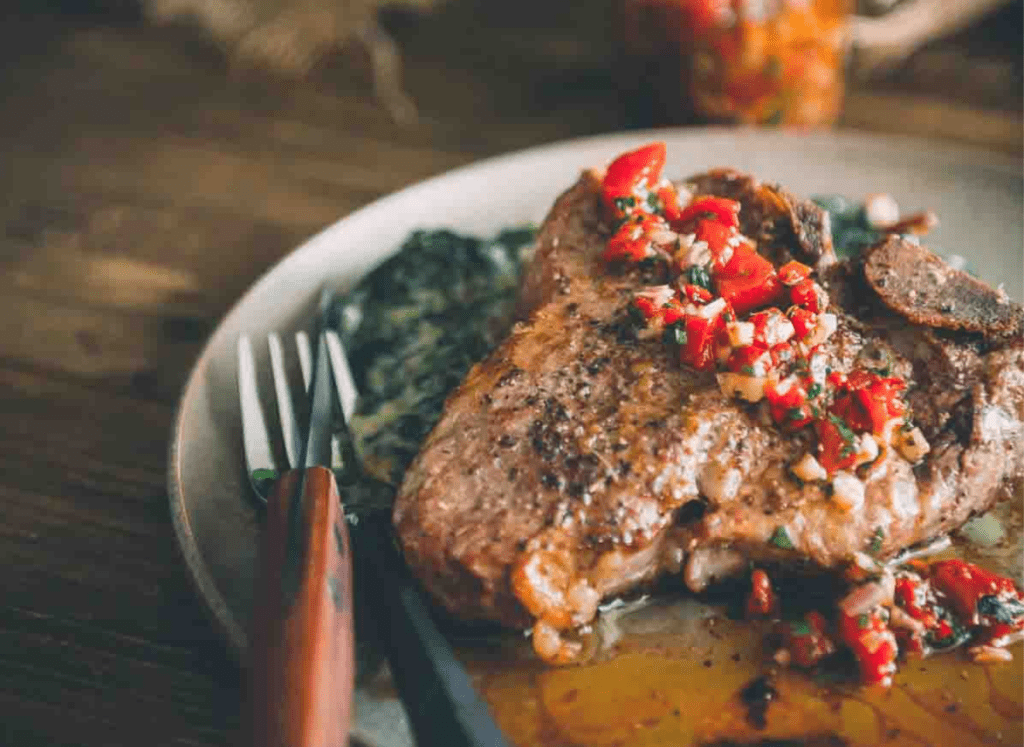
(302, 666)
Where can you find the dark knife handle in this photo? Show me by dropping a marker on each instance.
(442, 705)
(301, 641)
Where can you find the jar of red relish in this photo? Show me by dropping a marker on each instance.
(737, 61)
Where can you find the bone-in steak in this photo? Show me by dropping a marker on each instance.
(579, 460)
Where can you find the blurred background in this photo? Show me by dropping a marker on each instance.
(175, 126)
(156, 156)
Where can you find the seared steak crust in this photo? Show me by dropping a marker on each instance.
(578, 461)
(915, 283)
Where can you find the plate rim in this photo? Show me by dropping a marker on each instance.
(213, 602)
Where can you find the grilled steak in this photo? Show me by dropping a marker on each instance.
(580, 460)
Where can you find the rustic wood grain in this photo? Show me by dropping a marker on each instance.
(146, 185)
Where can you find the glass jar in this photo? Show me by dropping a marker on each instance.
(737, 61)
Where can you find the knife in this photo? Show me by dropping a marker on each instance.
(302, 658)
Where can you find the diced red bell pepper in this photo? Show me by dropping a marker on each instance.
(872, 643)
(631, 242)
(640, 168)
(907, 595)
(965, 584)
(714, 208)
(749, 281)
(746, 358)
(672, 313)
(789, 407)
(664, 311)
(835, 450)
(761, 602)
(793, 272)
(716, 235)
(700, 348)
(696, 294)
(805, 295)
(868, 401)
(668, 196)
(804, 321)
(647, 306)
(761, 321)
(808, 641)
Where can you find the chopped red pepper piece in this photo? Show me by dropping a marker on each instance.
(668, 196)
(696, 294)
(749, 280)
(808, 641)
(761, 602)
(716, 208)
(789, 407)
(701, 332)
(793, 272)
(965, 584)
(716, 235)
(661, 306)
(672, 313)
(804, 321)
(909, 597)
(648, 307)
(628, 175)
(836, 447)
(872, 642)
(631, 242)
(868, 401)
(748, 359)
(805, 294)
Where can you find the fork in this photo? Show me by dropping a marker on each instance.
(302, 659)
(435, 689)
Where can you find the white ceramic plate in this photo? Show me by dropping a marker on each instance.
(978, 197)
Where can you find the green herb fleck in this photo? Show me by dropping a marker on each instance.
(876, 541)
(814, 390)
(780, 538)
(1007, 611)
(624, 204)
(844, 430)
(795, 413)
(698, 275)
(863, 621)
(263, 478)
(748, 370)
(654, 202)
(675, 333)
(800, 628)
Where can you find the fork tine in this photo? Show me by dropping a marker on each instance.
(286, 414)
(255, 440)
(305, 357)
(343, 380)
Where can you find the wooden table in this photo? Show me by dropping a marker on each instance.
(145, 186)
